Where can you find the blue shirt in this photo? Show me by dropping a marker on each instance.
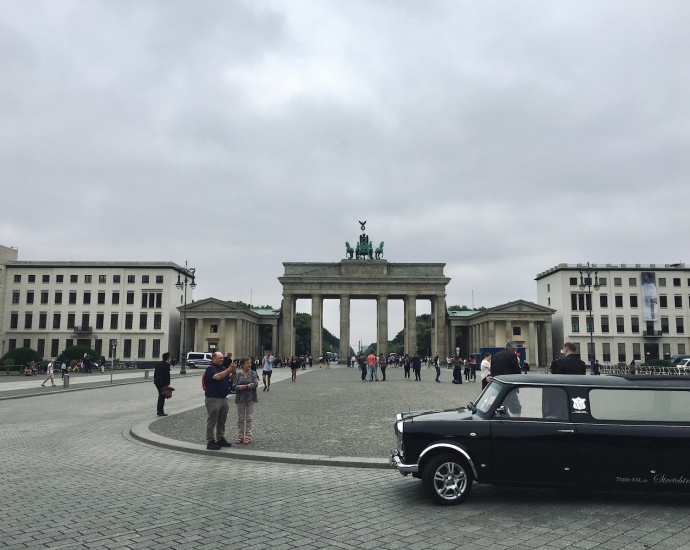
(216, 388)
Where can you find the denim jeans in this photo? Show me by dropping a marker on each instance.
(438, 372)
(372, 372)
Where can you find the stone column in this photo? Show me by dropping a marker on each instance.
(492, 334)
(382, 325)
(221, 337)
(287, 336)
(440, 315)
(344, 327)
(549, 342)
(316, 326)
(411, 324)
(274, 339)
(509, 331)
(199, 335)
(532, 345)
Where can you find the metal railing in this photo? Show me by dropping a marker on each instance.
(659, 371)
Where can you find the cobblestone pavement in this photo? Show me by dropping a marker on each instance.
(71, 479)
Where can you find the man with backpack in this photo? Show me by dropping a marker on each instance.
(216, 384)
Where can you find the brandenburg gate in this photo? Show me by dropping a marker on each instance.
(363, 280)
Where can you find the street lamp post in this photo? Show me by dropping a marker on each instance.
(586, 282)
(189, 277)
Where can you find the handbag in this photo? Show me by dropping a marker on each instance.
(167, 392)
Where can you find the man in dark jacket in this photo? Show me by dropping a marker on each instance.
(161, 379)
(570, 363)
(505, 361)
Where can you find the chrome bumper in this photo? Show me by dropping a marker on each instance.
(397, 463)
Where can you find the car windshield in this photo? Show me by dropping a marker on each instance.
(487, 397)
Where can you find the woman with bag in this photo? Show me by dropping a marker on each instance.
(246, 399)
(161, 379)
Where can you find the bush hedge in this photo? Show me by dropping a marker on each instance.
(73, 353)
(20, 356)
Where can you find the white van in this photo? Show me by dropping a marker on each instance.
(197, 358)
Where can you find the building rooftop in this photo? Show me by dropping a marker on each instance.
(611, 267)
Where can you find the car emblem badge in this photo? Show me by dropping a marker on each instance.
(579, 403)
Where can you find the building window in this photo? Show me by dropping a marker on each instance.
(98, 347)
(575, 324)
(116, 278)
(662, 281)
(573, 302)
(87, 279)
(59, 278)
(152, 299)
(17, 278)
(667, 351)
(589, 321)
(214, 329)
(29, 297)
(603, 300)
(13, 343)
(159, 281)
(621, 353)
(130, 279)
(101, 278)
(143, 321)
(157, 318)
(85, 321)
(680, 328)
(678, 301)
(70, 320)
(127, 350)
(577, 301)
(619, 300)
(591, 351)
(113, 321)
(617, 281)
(129, 320)
(100, 318)
(145, 279)
(663, 301)
(549, 301)
(159, 300)
(46, 279)
(101, 297)
(620, 325)
(517, 331)
(74, 278)
(141, 352)
(42, 320)
(41, 347)
(681, 349)
(664, 325)
(112, 348)
(606, 352)
(573, 281)
(26, 343)
(548, 287)
(115, 298)
(676, 281)
(44, 297)
(87, 297)
(637, 356)
(604, 323)
(72, 297)
(633, 300)
(32, 278)
(54, 347)
(28, 320)
(14, 320)
(15, 297)
(156, 349)
(635, 324)
(56, 321)
(130, 298)
(632, 281)
(69, 343)
(58, 297)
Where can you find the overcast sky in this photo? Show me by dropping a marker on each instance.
(500, 138)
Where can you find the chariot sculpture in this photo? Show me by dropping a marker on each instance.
(364, 248)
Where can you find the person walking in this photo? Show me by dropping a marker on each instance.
(371, 361)
(216, 389)
(383, 363)
(406, 366)
(63, 369)
(246, 399)
(417, 367)
(49, 374)
(267, 370)
(570, 363)
(457, 369)
(437, 366)
(294, 365)
(161, 379)
(467, 370)
(473, 369)
(486, 369)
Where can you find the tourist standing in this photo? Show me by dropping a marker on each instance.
(383, 363)
(505, 361)
(267, 370)
(406, 366)
(437, 366)
(417, 367)
(570, 363)
(362, 363)
(294, 365)
(371, 362)
(486, 370)
(473, 369)
(49, 374)
(457, 369)
(161, 379)
(246, 399)
(217, 387)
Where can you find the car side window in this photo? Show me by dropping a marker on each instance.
(536, 403)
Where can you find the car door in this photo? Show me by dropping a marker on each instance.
(533, 439)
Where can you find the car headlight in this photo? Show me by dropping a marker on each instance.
(399, 433)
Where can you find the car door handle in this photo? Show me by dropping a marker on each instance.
(566, 431)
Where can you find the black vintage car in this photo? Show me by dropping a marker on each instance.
(600, 432)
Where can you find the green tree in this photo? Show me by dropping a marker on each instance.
(20, 356)
(245, 305)
(73, 353)
(303, 337)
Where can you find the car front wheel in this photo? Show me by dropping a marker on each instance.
(447, 480)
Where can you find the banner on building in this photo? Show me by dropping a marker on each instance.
(650, 307)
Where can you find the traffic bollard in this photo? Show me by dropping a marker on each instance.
(146, 374)
(65, 382)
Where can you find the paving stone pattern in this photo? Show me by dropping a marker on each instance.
(71, 479)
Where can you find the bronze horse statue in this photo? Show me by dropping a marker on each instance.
(379, 251)
(349, 251)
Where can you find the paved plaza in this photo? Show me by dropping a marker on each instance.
(73, 477)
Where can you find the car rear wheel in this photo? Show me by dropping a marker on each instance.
(446, 479)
